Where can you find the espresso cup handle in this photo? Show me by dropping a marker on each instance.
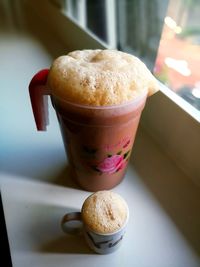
(71, 217)
(38, 94)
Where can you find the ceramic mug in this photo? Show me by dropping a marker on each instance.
(102, 243)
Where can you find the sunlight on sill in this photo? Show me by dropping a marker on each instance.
(187, 107)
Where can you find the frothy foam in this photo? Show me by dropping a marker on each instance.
(105, 212)
(100, 77)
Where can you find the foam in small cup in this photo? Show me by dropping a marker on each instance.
(104, 212)
(100, 77)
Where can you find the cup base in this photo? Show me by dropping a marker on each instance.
(104, 182)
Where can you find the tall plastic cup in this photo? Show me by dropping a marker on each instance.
(98, 140)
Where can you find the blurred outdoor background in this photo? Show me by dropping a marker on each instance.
(178, 59)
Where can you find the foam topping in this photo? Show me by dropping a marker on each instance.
(104, 212)
(100, 77)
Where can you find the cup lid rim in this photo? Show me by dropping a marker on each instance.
(144, 94)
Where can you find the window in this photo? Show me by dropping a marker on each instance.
(139, 27)
(133, 26)
(177, 63)
(164, 34)
(97, 16)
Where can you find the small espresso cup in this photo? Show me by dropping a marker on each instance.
(100, 242)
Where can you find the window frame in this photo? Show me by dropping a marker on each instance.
(165, 118)
(110, 14)
(81, 10)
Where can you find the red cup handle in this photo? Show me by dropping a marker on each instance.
(38, 94)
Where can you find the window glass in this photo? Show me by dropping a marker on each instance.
(164, 34)
(140, 24)
(132, 26)
(96, 18)
(177, 63)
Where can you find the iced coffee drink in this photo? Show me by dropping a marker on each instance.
(98, 96)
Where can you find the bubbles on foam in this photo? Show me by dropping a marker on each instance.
(105, 212)
(100, 77)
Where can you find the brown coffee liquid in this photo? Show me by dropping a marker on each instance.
(98, 142)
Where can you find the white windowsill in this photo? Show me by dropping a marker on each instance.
(193, 112)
